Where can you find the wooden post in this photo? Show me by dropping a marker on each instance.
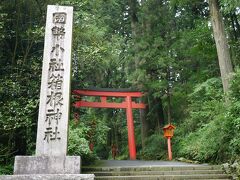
(130, 125)
(169, 149)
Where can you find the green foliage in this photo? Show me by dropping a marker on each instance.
(230, 5)
(96, 127)
(209, 143)
(78, 145)
(155, 148)
(234, 112)
(19, 89)
(198, 137)
(91, 128)
(205, 103)
(209, 90)
(212, 130)
(6, 169)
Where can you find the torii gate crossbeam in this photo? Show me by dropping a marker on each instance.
(128, 104)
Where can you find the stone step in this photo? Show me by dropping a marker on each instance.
(165, 177)
(151, 168)
(147, 170)
(133, 173)
(48, 177)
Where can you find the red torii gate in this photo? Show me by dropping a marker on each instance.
(128, 104)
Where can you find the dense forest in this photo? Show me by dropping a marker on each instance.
(184, 55)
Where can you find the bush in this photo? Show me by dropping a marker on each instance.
(6, 169)
(78, 145)
(209, 143)
(205, 134)
(155, 148)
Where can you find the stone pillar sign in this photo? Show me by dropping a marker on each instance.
(51, 161)
(55, 85)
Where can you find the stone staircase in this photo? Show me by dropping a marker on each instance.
(157, 172)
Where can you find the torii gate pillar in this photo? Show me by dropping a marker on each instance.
(130, 125)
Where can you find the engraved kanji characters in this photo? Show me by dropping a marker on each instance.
(55, 81)
(48, 134)
(59, 17)
(55, 65)
(55, 99)
(58, 31)
(51, 115)
(51, 135)
(56, 48)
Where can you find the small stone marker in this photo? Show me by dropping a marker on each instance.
(55, 85)
(51, 162)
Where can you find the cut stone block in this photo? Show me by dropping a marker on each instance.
(49, 177)
(47, 165)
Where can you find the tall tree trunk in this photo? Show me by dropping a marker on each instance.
(160, 120)
(168, 96)
(16, 33)
(168, 106)
(134, 25)
(133, 16)
(222, 45)
(133, 4)
(161, 113)
(144, 126)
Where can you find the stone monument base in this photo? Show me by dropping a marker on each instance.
(47, 165)
(49, 177)
(47, 168)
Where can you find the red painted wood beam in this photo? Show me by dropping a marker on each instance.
(169, 149)
(107, 94)
(105, 104)
(130, 125)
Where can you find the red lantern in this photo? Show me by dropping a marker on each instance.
(168, 133)
(168, 130)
